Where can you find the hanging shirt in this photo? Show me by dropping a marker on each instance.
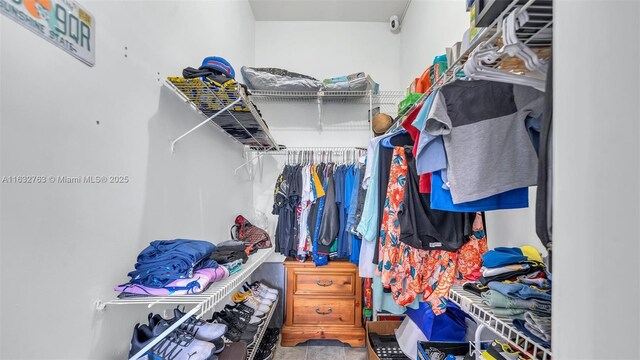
(373, 144)
(423, 227)
(305, 204)
(441, 199)
(430, 153)
(399, 139)
(407, 124)
(487, 144)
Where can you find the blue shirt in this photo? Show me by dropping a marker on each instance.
(430, 155)
(441, 199)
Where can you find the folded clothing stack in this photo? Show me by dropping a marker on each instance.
(515, 284)
(232, 250)
(174, 267)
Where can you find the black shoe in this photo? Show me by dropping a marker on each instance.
(241, 323)
(245, 317)
(234, 334)
(245, 309)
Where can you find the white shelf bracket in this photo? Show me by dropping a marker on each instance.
(320, 96)
(173, 143)
(251, 160)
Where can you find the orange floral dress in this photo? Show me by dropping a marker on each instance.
(409, 271)
(390, 245)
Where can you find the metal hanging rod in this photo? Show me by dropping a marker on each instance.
(297, 151)
(290, 150)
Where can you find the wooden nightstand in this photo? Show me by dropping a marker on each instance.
(323, 303)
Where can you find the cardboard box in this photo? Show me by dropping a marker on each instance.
(379, 327)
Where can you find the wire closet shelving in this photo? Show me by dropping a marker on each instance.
(202, 302)
(383, 102)
(501, 325)
(229, 109)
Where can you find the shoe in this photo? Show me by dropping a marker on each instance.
(246, 309)
(254, 304)
(240, 296)
(262, 286)
(234, 334)
(178, 345)
(261, 292)
(199, 328)
(237, 321)
(219, 344)
(246, 317)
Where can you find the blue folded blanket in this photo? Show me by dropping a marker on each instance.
(164, 261)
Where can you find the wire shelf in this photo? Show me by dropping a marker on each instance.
(252, 350)
(229, 108)
(501, 325)
(389, 97)
(206, 300)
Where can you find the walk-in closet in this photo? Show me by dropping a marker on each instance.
(319, 179)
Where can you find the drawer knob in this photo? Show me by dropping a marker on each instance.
(320, 283)
(329, 311)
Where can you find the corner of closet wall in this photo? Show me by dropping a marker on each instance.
(113, 119)
(429, 27)
(321, 49)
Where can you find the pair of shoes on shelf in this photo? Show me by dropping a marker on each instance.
(259, 303)
(244, 315)
(236, 329)
(268, 344)
(194, 339)
(261, 290)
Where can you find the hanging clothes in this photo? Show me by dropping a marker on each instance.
(487, 144)
(317, 208)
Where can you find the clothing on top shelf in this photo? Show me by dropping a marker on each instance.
(194, 285)
(164, 261)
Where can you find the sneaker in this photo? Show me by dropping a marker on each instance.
(234, 334)
(199, 328)
(246, 317)
(240, 296)
(260, 292)
(246, 309)
(219, 344)
(237, 321)
(254, 304)
(262, 286)
(178, 345)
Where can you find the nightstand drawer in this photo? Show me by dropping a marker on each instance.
(308, 311)
(321, 282)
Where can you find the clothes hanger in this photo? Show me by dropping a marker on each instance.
(475, 69)
(485, 53)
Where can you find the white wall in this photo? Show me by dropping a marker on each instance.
(428, 28)
(596, 181)
(64, 245)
